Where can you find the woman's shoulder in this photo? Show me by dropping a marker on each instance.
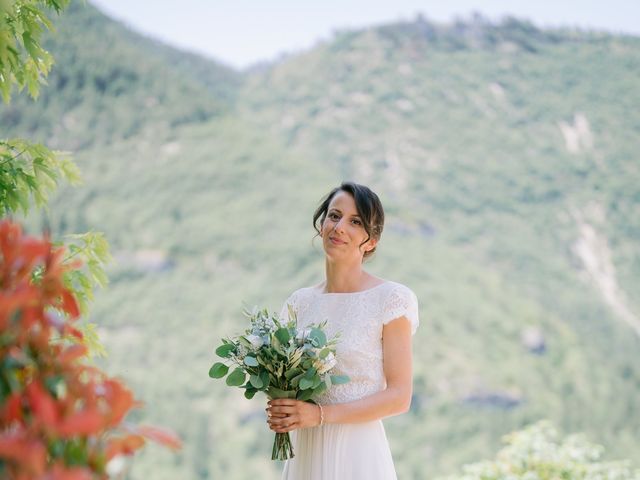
(301, 293)
(395, 286)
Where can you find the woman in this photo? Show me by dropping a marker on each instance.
(343, 438)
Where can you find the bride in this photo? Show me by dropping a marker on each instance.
(342, 436)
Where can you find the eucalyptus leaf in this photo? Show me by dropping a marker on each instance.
(305, 383)
(318, 338)
(320, 388)
(218, 370)
(236, 378)
(256, 381)
(264, 376)
(250, 361)
(282, 334)
(339, 379)
(289, 374)
(304, 395)
(225, 350)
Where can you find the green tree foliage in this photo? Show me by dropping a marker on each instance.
(30, 172)
(23, 61)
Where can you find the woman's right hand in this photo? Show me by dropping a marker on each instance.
(271, 414)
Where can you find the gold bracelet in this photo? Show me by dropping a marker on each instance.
(321, 415)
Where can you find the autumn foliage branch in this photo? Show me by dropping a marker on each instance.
(59, 418)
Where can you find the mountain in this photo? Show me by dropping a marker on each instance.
(505, 156)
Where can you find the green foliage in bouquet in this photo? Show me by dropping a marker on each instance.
(537, 453)
(277, 358)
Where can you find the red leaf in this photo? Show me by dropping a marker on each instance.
(72, 353)
(11, 410)
(82, 423)
(69, 304)
(62, 472)
(120, 399)
(161, 435)
(30, 453)
(42, 404)
(124, 445)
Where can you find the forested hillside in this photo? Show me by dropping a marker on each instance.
(506, 158)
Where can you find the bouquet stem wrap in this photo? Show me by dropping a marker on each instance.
(282, 447)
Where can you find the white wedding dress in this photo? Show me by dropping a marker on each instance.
(349, 451)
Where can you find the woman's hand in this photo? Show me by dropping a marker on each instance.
(286, 414)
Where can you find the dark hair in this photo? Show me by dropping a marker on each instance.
(368, 206)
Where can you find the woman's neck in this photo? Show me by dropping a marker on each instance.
(344, 277)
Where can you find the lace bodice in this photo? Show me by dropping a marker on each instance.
(360, 317)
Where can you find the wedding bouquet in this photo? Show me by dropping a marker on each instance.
(280, 360)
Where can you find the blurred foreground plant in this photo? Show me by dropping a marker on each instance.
(536, 453)
(59, 418)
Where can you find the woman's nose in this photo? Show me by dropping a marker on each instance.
(339, 226)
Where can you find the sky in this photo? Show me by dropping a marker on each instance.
(243, 32)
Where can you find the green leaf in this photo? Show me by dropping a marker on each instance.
(282, 334)
(249, 393)
(339, 379)
(274, 392)
(305, 383)
(264, 376)
(236, 378)
(304, 395)
(289, 374)
(225, 350)
(250, 361)
(256, 381)
(218, 370)
(295, 381)
(319, 389)
(318, 338)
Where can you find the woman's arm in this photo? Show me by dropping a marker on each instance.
(394, 400)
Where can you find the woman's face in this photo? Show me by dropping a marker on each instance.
(343, 229)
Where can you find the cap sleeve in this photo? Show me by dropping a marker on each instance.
(401, 301)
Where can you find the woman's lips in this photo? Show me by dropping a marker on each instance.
(336, 241)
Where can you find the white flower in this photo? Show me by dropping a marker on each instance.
(326, 364)
(302, 335)
(116, 465)
(256, 341)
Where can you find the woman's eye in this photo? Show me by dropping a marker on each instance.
(357, 222)
(333, 215)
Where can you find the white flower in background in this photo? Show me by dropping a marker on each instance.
(256, 341)
(116, 465)
(270, 324)
(302, 335)
(323, 365)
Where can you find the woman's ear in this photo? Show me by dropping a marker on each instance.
(371, 244)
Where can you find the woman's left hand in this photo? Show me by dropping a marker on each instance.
(288, 414)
